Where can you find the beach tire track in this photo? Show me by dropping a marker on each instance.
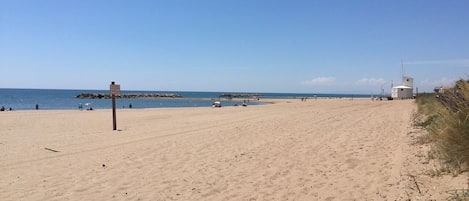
(189, 131)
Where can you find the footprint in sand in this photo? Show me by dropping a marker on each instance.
(352, 163)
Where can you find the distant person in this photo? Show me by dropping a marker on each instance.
(37, 106)
(130, 105)
(80, 106)
(2, 109)
(10, 109)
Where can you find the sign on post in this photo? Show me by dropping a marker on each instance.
(115, 91)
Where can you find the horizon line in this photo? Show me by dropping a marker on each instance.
(312, 93)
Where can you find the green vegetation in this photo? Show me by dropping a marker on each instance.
(459, 195)
(446, 118)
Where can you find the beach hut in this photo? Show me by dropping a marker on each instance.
(405, 91)
(402, 92)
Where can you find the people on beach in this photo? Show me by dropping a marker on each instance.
(216, 104)
(37, 106)
(130, 105)
(4, 109)
(89, 106)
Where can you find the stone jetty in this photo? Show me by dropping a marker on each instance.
(107, 96)
(230, 96)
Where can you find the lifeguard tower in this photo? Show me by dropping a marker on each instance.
(404, 91)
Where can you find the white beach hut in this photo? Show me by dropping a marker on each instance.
(402, 92)
(406, 90)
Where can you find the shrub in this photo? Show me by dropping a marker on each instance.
(447, 123)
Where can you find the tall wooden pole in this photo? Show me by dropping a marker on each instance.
(114, 121)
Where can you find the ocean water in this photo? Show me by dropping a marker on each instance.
(55, 99)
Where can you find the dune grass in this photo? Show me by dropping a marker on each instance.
(446, 118)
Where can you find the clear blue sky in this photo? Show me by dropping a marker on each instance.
(239, 45)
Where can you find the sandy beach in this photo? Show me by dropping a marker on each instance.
(328, 149)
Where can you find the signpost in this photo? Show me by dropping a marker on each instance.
(115, 91)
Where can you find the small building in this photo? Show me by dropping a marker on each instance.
(442, 89)
(405, 91)
(402, 92)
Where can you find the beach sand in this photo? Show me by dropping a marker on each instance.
(328, 149)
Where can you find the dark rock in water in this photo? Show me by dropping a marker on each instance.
(239, 95)
(107, 96)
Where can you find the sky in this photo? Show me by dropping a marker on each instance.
(311, 46)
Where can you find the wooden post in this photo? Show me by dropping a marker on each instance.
(115, 90)
(114, 119)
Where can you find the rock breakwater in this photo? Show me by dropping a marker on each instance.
(107, 96)
(230, 96)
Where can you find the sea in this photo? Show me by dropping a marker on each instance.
(64, 99)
